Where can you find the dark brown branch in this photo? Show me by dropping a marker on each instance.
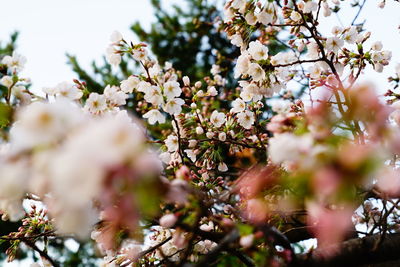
(299, 62)
(42, 253)
(355, 252)
(151, 249)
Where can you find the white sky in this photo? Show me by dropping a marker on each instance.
(383, 24)
(50, 28)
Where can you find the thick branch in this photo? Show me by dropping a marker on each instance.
(42, 253)
(356, 252)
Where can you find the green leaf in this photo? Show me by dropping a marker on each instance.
(5, 115)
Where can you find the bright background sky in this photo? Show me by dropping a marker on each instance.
(50, 28)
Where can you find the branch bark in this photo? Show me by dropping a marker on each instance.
(356, 252)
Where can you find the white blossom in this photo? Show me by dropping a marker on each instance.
(115, 96)
(281, 107)
(165, 157)
(242, 64)
(14, 177)
(154, 116)
(310, 6)
(155, 70)
(169, 249)
(83, 162)
(207, 227)
(172, 143)
(266, 16)
(128, 85)
(153, 95)
(336, 30)
(174, 106)
(350, 36)
(198, 84)
(68, 90)
(257, 50)
(215, 69)
(315, 71)
(250, 18)
(246, 119)
(96, 103)
(15, 62)
(116, 37)
(139, 54)
(257, 72)
(326, 10)
(288, 147)
(312, 51)
(237, 40)
(172, 89)
(113, 57)
(7, 81)
(217, 118)
(377, 46)
(238, 105)
(333, 44)
(43, 123)
(295, 16)
(240, 5)
(191, 153)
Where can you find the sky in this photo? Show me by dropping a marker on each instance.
(50, 28)
(383, 24)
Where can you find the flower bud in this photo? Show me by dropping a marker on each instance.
(6, 81)
(205, 176)
(200, 93)
(246, 241)
(222, 167)
(222, 136)
(197, 84)
(168, 220)
(199, 130)
(212, 91)
(116, 37)
(192, 143)
(186, 81)
(210, 135)
(377, 46)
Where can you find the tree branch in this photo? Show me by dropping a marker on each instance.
(355, 252)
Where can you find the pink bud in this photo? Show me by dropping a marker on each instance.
(186, 80)
(168, 220)
(247, 241)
